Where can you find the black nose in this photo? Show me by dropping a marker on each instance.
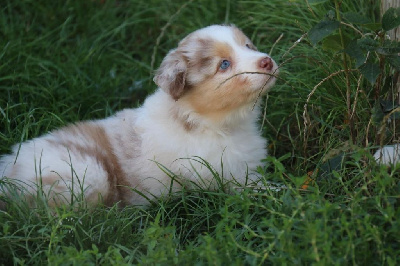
(266, 63)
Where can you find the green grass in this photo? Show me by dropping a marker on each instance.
(64, 61)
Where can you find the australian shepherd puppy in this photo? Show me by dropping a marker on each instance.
(206, 107)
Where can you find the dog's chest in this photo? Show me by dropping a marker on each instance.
(188, 152)
(163, 142)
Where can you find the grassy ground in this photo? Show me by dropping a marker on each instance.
(63, 61)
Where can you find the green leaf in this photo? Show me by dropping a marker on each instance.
(368, 44)
(330, 15)
(395, 115)
(322, 29)
(299, 181)
(389, 48)
(383, 108)
(370, 72)
(354, 50)
(373, 26)
(332, 165)
(391, 19)
(332, 43)
(355, 18)
(387, 106)
(151, 245)
(394, 61)
(377, 114)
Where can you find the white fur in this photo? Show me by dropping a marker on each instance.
(389, 154)
(164, 131)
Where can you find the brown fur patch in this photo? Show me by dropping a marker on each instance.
(223, 50)
(202, 58)
(126, 153)
(239, 36)
(99, 148)
(177, 85)
(171, 76)
(208, 100)
(207, 55)
(206, 60)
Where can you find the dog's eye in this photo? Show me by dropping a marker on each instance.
(225, 64)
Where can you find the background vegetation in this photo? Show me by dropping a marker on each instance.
(64, 61)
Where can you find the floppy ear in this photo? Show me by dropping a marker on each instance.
(171, 76)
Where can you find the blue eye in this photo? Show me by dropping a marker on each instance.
(225, 64)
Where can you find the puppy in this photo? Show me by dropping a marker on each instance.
(206, 107)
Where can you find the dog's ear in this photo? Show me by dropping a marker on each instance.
(171, 76)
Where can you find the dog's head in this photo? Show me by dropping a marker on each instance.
(215, 70)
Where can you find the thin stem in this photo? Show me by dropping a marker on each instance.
(347, 74)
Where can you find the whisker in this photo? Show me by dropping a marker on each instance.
(242, 73)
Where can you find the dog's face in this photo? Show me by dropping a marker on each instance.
(215, 70)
